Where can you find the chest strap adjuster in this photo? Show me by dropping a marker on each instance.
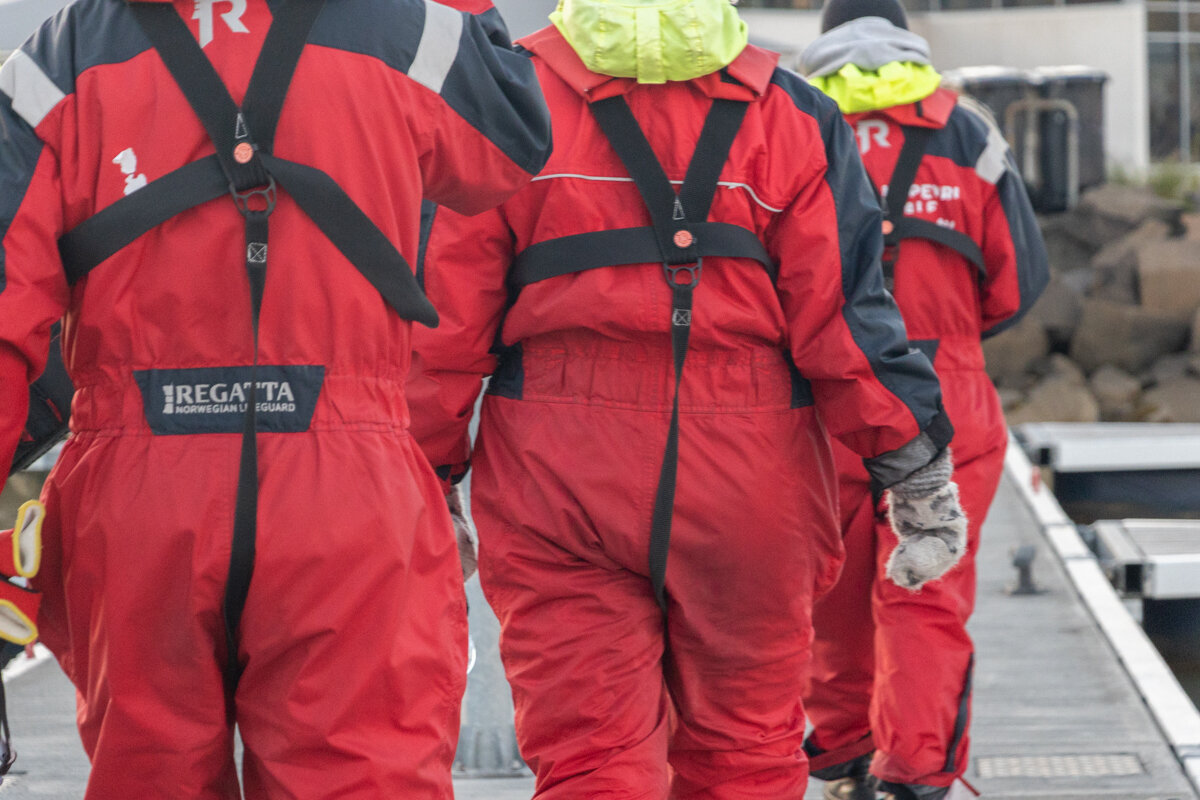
(245, 200)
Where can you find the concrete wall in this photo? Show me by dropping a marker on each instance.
(1108, 37)
(525, 16)
(19, 18)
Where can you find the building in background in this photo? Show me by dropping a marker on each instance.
(525, 16)
(1150, 50)
(1148, 73)
(1106, 36)
(19, 18)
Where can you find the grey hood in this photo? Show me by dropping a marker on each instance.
(866, 42)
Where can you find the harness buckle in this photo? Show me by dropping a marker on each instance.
(691, 274)
(246, 201)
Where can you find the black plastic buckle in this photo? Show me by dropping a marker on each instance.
(693, 274)
(244, 200)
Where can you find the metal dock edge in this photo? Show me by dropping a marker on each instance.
(1171, 708)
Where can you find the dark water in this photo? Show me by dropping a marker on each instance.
(1189, 675)
(1172, 625)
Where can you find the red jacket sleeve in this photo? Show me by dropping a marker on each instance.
(1016, 265)
(33, 289)
(489, 128)
(470, 6)
(877, 395)
(471, 257)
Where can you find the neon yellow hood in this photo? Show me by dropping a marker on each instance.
(894, 84)
(654, 41)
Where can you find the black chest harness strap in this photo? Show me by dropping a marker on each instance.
(897, 227)
(254, 192)
(679, 238)
(246, 133)
(244, 167)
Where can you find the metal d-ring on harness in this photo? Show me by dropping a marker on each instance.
(245, 168)
(897, 227)
(679, 238)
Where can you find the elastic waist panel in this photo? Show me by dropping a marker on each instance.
(637, 375)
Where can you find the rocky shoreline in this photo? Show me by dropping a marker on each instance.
(1116, 335)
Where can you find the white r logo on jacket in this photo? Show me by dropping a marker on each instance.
(233, 17)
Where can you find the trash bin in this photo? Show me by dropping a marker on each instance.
(1083, 88)
(1053, 117)
(997, 88)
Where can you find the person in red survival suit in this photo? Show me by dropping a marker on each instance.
(240, 528)
(892, 668)
(585, 297)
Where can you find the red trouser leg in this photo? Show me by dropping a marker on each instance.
(581, 634)
(890, 662)
(921, 709)
(582, 647)
(353, 635)
(132, 590)
(355, 629)
(740, 615)
(562, 497)
(838, 697)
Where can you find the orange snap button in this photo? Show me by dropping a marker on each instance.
(888, 227)
(684, 239)
(243, 153)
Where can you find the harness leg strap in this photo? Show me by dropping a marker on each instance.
(664, 495)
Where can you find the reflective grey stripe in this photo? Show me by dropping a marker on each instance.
(724, 184)
(749, 190)
(33, 94)
(439, 46)
(994, 159)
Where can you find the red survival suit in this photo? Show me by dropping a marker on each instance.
(573, 428)
(872, 673)
(352, 642)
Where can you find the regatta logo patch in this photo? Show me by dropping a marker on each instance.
(127, 161)
(870, 131)
(214, 400)
(204, 14)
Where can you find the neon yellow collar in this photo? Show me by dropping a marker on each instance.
(894, 84)
(654, 41)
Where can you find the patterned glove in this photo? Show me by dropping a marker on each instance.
(20, 556)
(929, 522)
(465, 532)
